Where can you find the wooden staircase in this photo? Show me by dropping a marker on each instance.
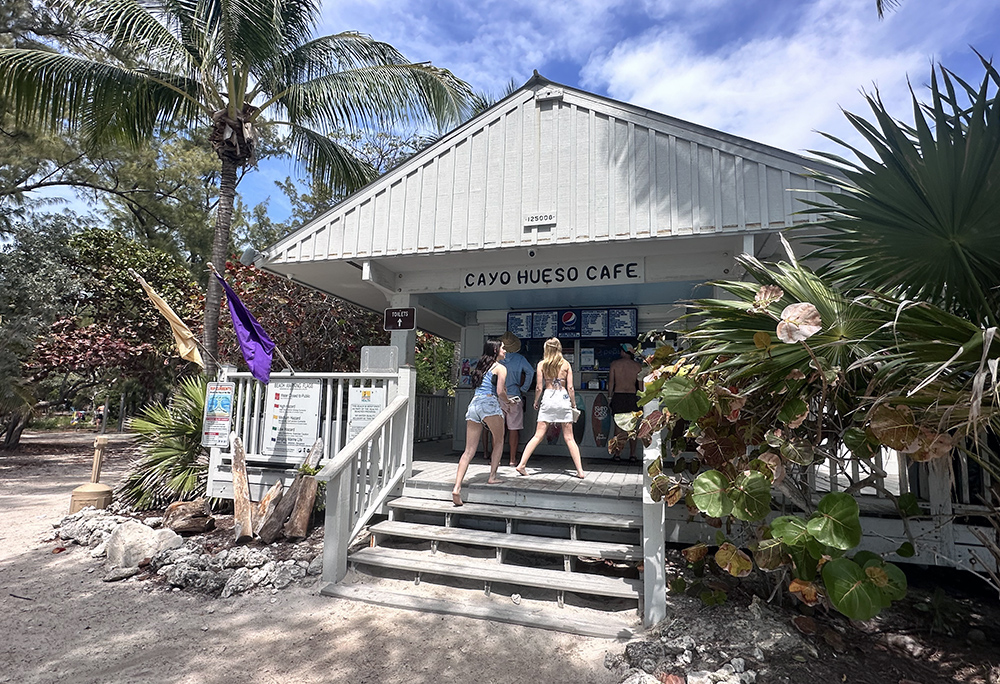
(542, 559)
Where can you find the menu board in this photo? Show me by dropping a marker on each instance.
(594, 323)
(519, 323)
(544, 324)
(622, 323)
(574, 323)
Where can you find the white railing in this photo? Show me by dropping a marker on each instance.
(250, 408)
(435, 419)
(364, 473)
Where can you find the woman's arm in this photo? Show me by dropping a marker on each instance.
(501, 372)
(539, 384)
(569, 383)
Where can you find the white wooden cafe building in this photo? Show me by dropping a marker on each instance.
(556, 212)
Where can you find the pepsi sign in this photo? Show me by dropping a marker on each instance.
(569, 324)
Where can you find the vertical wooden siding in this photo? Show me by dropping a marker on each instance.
(607, 175)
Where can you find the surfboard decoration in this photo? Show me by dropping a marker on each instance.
(600, 418)
(580, 426)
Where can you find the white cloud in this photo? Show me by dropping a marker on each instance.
(780, 88)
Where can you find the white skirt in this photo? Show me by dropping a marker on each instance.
(555, 407)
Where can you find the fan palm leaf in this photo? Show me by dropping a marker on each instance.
(173, 465)
(919, 220)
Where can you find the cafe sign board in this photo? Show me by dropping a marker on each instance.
(556, 274)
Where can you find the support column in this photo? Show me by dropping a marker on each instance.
(654, 570)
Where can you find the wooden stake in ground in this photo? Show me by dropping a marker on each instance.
(242, 516)
(298, 524)
(270, 528)
(100, 444)
(267, 505)
(315, 454)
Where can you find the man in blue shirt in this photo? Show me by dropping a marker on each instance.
(519, 377)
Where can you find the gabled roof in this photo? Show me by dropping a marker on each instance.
(551, 164)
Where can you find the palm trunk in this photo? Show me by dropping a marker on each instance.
(220, 253)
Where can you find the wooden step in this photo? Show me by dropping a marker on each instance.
(521, 542)
(625, 522)
(491, 571)
(554, 619)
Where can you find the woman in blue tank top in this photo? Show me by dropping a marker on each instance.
(490, 381)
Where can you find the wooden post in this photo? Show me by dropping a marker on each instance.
(298, 524)
(265, 509)
(100, 444)
(315, 454)
(271, 527)
(337, 527)
(242, 516)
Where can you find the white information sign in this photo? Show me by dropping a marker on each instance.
(217, 421)
(363, 405)
(291, 416)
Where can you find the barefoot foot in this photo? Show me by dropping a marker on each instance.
(521, 471)
(494, 480)
(456, 498)
(581, 475)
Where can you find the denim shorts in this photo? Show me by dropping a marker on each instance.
(483, 406)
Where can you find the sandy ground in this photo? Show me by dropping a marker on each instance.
(61, 623)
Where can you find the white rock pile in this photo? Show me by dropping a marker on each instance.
(130, 547)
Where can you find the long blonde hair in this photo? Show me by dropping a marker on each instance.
(553, 359)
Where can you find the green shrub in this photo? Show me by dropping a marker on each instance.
(173, 466)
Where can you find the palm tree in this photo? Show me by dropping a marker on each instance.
(920, 219)
(232, 66)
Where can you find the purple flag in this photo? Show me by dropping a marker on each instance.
(256, 346)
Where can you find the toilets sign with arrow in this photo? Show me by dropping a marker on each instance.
(400, 319)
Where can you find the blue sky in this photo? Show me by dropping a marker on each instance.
(774, 71)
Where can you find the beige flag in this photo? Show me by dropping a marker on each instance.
(185, 339)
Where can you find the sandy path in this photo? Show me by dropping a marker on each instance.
(69, 626)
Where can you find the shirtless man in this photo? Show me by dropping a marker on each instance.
(623, 383)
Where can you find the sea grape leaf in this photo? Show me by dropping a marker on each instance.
(770, 554)
(693, 554)
(894, 427)
(751, 496)
(710, 494)
(733, 560)
(793, 412)
(836, 521)
(791, 530)
(850, 589)
(682, 395)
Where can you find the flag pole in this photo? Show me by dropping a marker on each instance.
(291, 370)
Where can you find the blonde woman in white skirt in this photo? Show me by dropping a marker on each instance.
(554, 401)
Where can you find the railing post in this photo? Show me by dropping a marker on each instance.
(408, 385)
(654, 568)
(337, 527)
(942, 509)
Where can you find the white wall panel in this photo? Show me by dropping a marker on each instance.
(609, 171)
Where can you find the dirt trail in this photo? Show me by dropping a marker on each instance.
(61, 623)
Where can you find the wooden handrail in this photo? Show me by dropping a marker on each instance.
(346, 454)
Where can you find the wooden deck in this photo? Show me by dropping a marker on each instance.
(609, 485)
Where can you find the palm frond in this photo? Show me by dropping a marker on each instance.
(920, 219)
(107, 102)
(328, 161)
(173, 465)
(377, 96)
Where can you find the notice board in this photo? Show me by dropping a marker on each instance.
(291, 417)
